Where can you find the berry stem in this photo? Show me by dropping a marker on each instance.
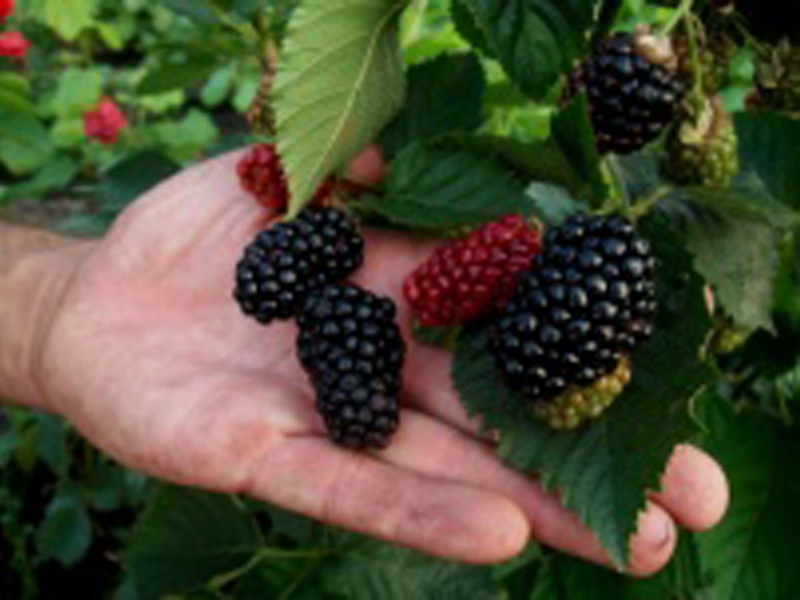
(618, 198)
(683, 9)
(694, 57)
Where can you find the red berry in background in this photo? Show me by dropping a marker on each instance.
(474, 275)
(13, 44)
(105, 123)
(261, 173)
(6, 9)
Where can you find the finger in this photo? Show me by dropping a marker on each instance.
(368, 168)
(428, 385)
(437, 451)
(694, 489)
(363, 494)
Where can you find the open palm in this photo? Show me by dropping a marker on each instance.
(151, 359)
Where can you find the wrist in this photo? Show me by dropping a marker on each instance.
(35, 272)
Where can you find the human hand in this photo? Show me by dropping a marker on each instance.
(149, 357)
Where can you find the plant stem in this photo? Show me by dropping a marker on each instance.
(263, 554)
(684, 8)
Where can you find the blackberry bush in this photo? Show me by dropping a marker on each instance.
(632, 88)
(588, 300)
(290, 259)
(353, 351)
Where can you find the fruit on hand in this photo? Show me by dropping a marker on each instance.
(704, 151)
(474, 275)
(290, 259)
(632, 89)
(352, 349)
(587, 302)
(261, 173)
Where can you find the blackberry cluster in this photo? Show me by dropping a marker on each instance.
(352, 349)
(586, 303)
(474, 275)
(290, 259)
(631, 98)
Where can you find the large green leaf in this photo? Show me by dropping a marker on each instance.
(604, 470)
(437, 186)
(444, 96)
(768, 144)
(371, 570)
(187, 537)
(734, 236)
(754, 552)
(340, 81)
(565, 578)
(535, 40)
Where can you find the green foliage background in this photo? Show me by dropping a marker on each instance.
(472, 135)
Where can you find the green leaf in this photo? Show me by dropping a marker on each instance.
(201, 11)
(25, 144)
(604, 470)
(536, 41)
(768, 145)
(564, 578)
(468, 28)
(573, 134)
(66, 533)
(56, 174)
(187, 537)
(340, 81)
(78, 91)
(371, 570)
(754, 552)
(69, 17)
(218, 87)
(434, 186)
(734, 239)
(444, 96)
(186, 72)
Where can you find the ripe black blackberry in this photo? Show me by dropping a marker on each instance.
(586, 303)
(288, 260)
(633, 93)
(352, 349)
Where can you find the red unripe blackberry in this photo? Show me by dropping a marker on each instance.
(290, 259)
(474, 275)
(588, 301)
(261, 173)
(631, 95)
(352, 349)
